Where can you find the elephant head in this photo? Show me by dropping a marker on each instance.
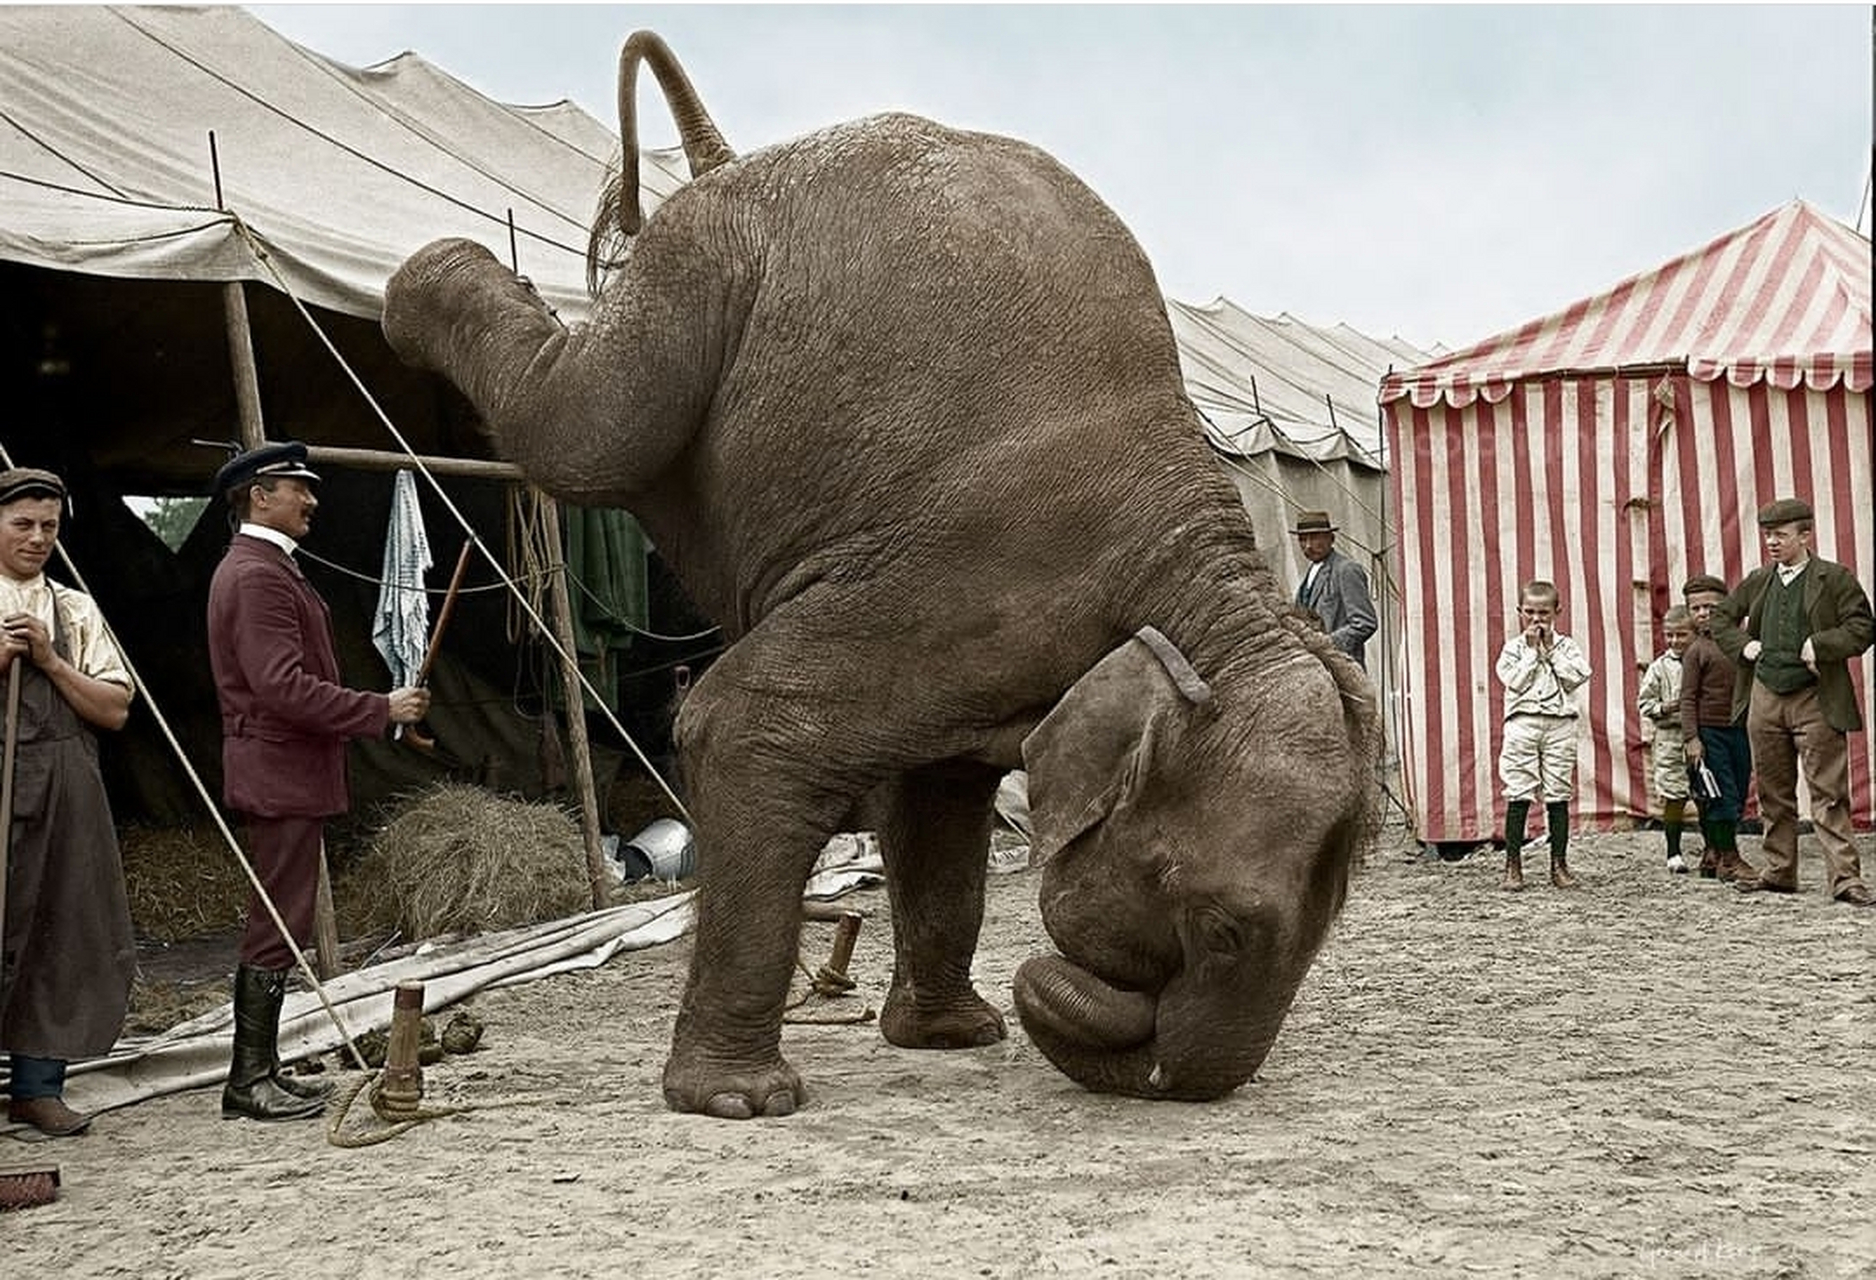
(1196, 841)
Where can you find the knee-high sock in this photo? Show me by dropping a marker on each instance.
(1517, 813)
(1557, 818)
(1673, 817)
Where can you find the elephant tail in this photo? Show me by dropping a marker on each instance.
(621, 213)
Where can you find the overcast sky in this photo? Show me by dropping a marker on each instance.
(1436, 173)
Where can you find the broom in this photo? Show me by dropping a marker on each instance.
(19, 1188)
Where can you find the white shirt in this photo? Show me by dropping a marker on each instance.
(1787, 572)
(274, 536)
(92, 650)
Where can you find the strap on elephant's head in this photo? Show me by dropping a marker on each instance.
(1183, 676)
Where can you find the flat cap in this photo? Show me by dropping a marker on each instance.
(1784, 511)
(277, 460)
(29, 482)
(1704, 582)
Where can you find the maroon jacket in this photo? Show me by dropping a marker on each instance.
(285, 717)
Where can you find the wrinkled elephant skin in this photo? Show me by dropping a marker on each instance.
(900, 406)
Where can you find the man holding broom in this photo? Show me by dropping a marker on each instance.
(285, 722)
(67, 954)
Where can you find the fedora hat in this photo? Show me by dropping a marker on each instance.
(1314, 522)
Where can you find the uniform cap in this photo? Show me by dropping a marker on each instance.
(278, 460)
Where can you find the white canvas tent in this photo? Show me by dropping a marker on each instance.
(1291, 411)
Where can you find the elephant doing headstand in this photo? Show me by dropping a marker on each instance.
(901, 407)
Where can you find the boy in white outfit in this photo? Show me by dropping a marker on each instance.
(1660, 704)
(1541, 671)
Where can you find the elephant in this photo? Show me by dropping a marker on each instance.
(900, 405)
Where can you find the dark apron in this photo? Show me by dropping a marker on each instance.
(70, 953)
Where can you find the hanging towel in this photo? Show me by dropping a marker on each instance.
(400, 628)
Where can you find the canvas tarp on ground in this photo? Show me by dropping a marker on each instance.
(1617, 447)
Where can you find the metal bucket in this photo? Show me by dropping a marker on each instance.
(665, 849)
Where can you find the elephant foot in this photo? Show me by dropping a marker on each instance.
(731, 1091)
(968, 1022)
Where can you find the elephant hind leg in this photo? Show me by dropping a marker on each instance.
(934, 835)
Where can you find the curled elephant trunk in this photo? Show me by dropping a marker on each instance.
(1174, 1046)
(621, 211)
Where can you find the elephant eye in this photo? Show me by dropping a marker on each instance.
(1218, 932)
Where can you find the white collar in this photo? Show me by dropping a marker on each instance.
(274, 536)
(1787, 572)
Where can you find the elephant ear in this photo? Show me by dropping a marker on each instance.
(1092, 752)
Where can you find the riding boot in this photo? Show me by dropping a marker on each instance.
(1516, 813)
(1557, 818)
(319, 1089)
(251, 1090)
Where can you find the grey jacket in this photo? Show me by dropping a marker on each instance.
(1339, 596)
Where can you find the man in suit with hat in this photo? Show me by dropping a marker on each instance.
(1792, 627)
(285, 722)
(1335, 588)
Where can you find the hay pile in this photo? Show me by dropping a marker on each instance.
(460, 860)
(181, 883)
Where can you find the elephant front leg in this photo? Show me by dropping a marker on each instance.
(761, 821)
(934, 834)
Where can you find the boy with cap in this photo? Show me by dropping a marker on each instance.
(1719, 757)
(285, 722)
(1793, 626)
(1659, 701)
(67, 954)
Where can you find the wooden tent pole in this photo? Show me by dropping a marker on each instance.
(576, 701)
(247, 383)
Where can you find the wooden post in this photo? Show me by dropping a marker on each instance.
(576, 702)
(247, 383)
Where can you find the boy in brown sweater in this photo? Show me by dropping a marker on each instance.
(1719, 757)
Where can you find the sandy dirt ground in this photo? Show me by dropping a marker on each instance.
(1654, 1076)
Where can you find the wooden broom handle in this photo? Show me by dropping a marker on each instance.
(442, 614)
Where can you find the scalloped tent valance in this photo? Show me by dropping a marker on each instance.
(1784, 300)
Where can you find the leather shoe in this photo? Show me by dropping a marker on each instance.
(1858, 895)
(50, 1116)
(1759, 884)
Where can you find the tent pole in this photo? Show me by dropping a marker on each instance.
(576, 701)
(247, 384)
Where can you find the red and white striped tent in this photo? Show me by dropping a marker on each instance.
(1618, 447)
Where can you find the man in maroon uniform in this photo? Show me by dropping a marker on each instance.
(285, 722)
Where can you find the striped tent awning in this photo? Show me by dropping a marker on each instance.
(1784, 300)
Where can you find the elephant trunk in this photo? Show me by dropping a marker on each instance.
(1190, 1043)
